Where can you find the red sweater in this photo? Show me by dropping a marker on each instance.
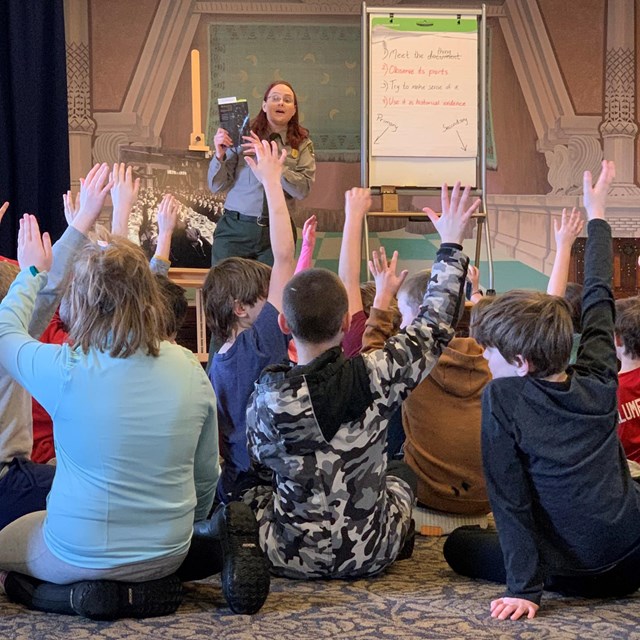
(629, 412)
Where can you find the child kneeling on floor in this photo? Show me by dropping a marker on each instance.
(336, 509)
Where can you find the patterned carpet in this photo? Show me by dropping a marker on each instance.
(417, 598)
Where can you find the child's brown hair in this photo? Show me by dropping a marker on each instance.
(231, 281)
(627, 325)
(368, 293)
(530, 324)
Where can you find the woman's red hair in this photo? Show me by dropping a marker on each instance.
(296, 133)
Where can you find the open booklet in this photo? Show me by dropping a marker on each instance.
(234, 117)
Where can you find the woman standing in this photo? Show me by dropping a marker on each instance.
(243, 229)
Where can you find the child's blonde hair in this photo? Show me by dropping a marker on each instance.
(113, 302)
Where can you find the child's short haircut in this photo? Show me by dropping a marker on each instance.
(314, 304)
(176, 304)
(534, 325)
(627, 325)
(230, 281)
(573, 295)
(414, 287)
(8, 273)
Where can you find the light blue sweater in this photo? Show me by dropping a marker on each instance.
(136, 441)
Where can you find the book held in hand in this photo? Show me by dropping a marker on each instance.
(234, 117)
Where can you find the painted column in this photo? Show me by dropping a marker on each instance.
(81, 124)
(618, 129)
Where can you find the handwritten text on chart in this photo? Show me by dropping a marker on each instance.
(421, 102)
(438, 54)
(387, 126)
(391, 69)
(423, 97)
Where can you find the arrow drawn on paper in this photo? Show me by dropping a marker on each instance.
(380, 136)
(463, 146)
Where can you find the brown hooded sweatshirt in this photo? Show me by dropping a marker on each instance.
(441, 420)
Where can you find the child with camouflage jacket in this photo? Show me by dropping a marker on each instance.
(335, 509)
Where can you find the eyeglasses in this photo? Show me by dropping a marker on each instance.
(276, 97)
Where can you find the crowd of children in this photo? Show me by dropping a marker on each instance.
(486, 414)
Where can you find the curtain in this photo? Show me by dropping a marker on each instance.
(34, 142)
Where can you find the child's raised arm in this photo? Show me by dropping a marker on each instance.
(565, 233)
(167, 219)
(308, 243)
(267, 167)
(124, 194)
(357, 202)
(388, 282)
(473, 278)
(595, 197)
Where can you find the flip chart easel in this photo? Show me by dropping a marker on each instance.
(424, 107)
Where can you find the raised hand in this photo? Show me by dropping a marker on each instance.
(71, 206)
(221, 141)
(513, 608)
(357, 201)
(93, 192)
(387, 280)
(249, 143)
(473, 277)
(568, 229)
(268, 163)
(595, 197)
(33, 249)
(3, 210)
(451, 224)
(168, 214)
(309, 230)
(167, 220)
(124, 193)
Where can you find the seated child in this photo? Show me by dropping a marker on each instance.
(566, 509)
(135, 436)
(627, 336)
(24, 484)
(242, 300)
(335, 509)
(57, 333)
(441, 420)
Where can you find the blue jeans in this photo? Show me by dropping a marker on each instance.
(24, 489)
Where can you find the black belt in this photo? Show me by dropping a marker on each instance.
(261, 221)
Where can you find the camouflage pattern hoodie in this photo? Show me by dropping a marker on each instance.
(332, 511)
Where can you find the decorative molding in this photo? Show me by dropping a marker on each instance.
(326, 7)
(522, 226)
(79, 88)
(106, 147)
(567, 162)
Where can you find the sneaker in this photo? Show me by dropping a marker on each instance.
(110, 600)
(245, 570)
